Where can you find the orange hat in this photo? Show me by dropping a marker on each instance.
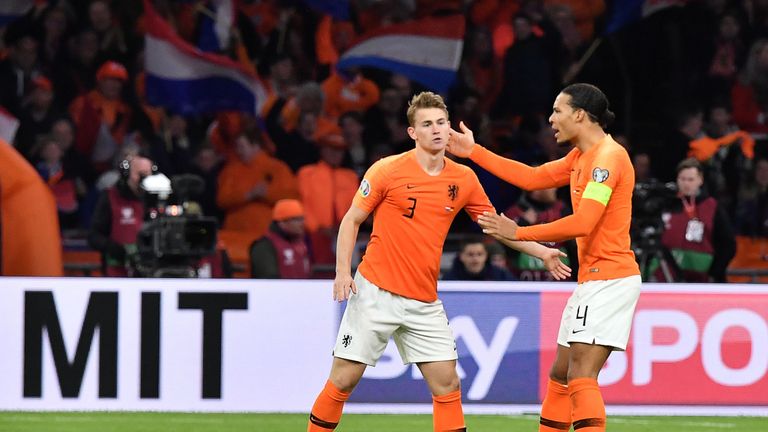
(333, 140)
(287, 209)
(112, 69)
(42, 82)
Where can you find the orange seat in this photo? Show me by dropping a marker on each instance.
(751, 254)
(238, 247)
(81, 262)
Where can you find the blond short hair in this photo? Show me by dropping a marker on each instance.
(422, 100)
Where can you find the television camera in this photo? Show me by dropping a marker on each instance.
(649, 201)
(175, 236)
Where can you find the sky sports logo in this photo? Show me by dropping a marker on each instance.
(497, 337)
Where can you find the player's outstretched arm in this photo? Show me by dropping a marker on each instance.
(343, 285)
(553, 174)
(550, 256)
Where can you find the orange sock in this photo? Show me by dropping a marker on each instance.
(556, 409)
(447, 415)
(326, 412)
(588, 405)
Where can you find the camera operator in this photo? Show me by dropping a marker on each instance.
(119, 215)
(697, 230)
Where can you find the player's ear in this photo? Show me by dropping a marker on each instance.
(411, 132)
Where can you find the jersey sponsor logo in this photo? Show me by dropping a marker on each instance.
(365, 188)
(410, 186)
(600, 175)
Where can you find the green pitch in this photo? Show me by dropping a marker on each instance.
(189, 422)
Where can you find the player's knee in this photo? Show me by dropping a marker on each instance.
(344, 384)
(559, 376)
(448, 385)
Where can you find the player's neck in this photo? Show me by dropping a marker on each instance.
(588, 138)
(432, 163)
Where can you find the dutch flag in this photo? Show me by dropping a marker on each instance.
(427, 51)
(188, 81)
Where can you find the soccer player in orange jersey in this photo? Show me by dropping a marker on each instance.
(414, 197)
(598, 316)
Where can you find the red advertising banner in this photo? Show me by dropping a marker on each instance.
(685, 349)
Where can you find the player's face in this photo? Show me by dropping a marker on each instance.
(430, 129)
(562, 119)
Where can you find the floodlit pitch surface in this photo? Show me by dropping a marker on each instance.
(194, 422)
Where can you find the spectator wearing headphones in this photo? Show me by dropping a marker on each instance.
(119, 215)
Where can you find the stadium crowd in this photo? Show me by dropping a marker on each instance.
(689, 85)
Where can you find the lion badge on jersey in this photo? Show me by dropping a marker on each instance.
(453, 192)
(600, 175)
(365, 188)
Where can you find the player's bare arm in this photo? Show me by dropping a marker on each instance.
(550, 256)
(343, 284)
(461, 143)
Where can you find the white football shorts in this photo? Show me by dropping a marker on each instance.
(600, 312)
(373, 315)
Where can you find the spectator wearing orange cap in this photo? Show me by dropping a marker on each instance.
(101, 113)
(37, 116)
(327, 189)
(250, 184)
(282, 253)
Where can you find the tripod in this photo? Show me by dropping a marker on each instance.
(651, 254)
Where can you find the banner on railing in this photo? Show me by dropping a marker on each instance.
(215, 345)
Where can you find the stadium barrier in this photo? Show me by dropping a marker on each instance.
(265, 346)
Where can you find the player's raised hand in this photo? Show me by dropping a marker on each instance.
(461, 143)
(343, 287)
(554, 265)
(498, 226)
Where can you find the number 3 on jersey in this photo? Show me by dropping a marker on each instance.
(411, 208)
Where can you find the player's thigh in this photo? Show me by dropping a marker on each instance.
(369, 320)
(559, 370)
(345, 374)
(425, 335)
(586, 360)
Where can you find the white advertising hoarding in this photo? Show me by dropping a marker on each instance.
(137, 344)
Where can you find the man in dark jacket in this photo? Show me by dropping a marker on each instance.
(472, 263)
(283, 252)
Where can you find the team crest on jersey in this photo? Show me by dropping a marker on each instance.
(365, 188)
(600, 175)
(453, 191)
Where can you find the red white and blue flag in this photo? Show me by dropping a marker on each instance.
(215, 25)
(188, 81)
(427, 51)
(624, 12)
